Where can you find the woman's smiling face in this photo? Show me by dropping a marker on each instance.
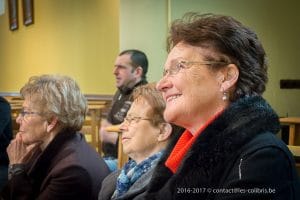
(192, 93)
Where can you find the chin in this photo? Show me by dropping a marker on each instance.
(169, 116)
(125, 151)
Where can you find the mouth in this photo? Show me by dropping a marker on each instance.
(171, 98)
(125, 140)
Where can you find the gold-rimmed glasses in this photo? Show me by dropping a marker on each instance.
(135, 119)
(174, 69)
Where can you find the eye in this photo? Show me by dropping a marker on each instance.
(181, 65)
(165, 72)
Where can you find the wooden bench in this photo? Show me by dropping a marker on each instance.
(294, 136)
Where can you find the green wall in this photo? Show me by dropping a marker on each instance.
(277, 24)
(79, 38)
(143, 25)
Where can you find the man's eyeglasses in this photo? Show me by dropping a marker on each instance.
(130, 119)
(24, 113)
(174, 69)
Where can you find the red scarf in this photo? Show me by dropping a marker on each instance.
(184, 144)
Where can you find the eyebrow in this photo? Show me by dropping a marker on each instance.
(122, 66)
(176, 60)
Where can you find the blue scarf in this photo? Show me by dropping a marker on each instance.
(133, 171)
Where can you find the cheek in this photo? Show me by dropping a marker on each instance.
(34, 132)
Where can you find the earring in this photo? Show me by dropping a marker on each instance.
(224, 97)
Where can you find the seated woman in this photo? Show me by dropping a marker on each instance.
(48, 158)
(145, 135)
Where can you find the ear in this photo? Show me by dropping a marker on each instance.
(51, 125)
(165, 132)
(138, 71)
(228, 77)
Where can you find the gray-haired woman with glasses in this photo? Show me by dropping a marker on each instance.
(145, 135)
(49, 158)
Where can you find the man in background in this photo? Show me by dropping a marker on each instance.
(130, 70)
(5, 137)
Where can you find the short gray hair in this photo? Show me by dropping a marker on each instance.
(59, 96)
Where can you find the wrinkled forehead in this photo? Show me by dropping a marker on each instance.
(186, 52)
(33, 101)
(140, 106)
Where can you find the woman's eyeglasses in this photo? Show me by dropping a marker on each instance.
(24, 113)
(130, 119)
(174, 69)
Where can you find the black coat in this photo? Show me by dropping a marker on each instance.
(236, 157)
(5, 130)
(67, 169)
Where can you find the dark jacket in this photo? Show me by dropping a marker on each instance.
(121, 104)
(5, 129)
(236, 157)
(67, 169)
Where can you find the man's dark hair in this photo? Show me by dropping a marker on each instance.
(138, 58)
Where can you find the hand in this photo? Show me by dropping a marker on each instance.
(18, 152)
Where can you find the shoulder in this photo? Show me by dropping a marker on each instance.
(267, 150)
(108, 186)
(4, 103)
(77, 152)
(264, 162)
(74, 152)
(267, 143)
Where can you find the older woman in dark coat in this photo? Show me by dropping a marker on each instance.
(214, 78)
(48, 158)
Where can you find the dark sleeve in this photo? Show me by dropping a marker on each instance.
(267, 173)
(71, 183)
(5, 114)
(18, 187)
(5, 125)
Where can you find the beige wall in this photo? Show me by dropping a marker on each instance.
(79, 38)
(277, 24)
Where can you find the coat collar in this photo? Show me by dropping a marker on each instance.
(41, 162)
(220, 142)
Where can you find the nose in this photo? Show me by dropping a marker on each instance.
(19, 119)
(163, 84)
(115, 70)
(124, 126)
